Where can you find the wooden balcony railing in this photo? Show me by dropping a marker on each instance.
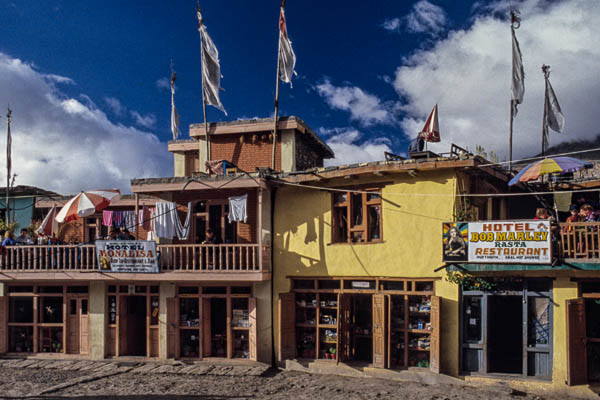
(171, 258)
(580, 240)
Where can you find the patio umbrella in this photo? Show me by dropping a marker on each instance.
(86, 204)
(48, 225)
(549, 165)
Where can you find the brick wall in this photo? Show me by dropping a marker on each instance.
(247, 151)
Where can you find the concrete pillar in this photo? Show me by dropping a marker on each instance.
(262, 293)
(167, 290)
(97, 320)
(2, 289)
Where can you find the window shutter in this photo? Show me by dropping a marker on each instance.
(576, 342)
(252, 337)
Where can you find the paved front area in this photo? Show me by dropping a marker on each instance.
(50, 379)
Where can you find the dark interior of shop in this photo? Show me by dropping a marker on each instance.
(505, 334)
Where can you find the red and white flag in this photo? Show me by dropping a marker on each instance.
(431, 130)
(287, 58)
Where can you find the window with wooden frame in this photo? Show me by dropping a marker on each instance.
(357, 216)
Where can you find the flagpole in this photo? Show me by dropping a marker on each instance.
(277, 93)
(8, 164)
(203, 96)
(510, 138)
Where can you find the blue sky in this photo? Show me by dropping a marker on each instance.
(368, 75)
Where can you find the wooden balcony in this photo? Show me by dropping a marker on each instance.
(184, 259)
(580, 241)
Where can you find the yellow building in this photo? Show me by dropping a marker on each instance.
(359, 276)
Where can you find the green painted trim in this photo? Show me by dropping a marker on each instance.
(573, 266)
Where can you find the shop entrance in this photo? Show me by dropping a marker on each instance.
(78, 326)
(359, 329)
(505, 334)
(216, 329)
(132, 326)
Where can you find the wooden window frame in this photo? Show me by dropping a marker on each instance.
(364, 226)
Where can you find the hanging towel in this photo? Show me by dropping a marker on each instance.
(129, 220)
(183, 231)
(562, 201)
(237, 208)
(118, 218)
(164, 224)
(107, 218)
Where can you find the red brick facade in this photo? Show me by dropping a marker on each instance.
(247, 151)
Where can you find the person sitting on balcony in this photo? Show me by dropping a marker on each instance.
(53, 240)
(574, 217)
(586, 212)
(8, 239)
(210, 237)
(23, 238)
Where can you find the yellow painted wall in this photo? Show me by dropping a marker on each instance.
(178, 164)
(412, 233)
(564, 289)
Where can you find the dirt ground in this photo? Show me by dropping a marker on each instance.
(21, 382)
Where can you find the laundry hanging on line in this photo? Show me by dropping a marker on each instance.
(237, 208)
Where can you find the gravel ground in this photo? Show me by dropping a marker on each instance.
(21, 382)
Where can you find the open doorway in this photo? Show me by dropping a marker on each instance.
(218, 327)
(505, 334)
(360, 328)
(135, 325)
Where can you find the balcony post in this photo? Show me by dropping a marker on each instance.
(137, 213)
(259, 204)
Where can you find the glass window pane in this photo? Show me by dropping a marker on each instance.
(340, 224)
(154, 310)
(84, 306)
(51, 310)
(72, 307)
(539, 321)
(112, 309)
(340, 198)
(357, 209)
(374, 222)
(373, 196)
(188, 312)
(239, 313)
(472, 318)
(21, 309)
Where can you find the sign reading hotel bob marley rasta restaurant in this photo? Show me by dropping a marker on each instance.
(133, 256)
(519, 242)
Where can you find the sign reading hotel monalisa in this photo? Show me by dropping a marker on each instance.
(133, 256)
(519, 242)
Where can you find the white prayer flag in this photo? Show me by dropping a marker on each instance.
(287, 58)
(174, 115)
(211, 69)
(555, 119)
(518, 74)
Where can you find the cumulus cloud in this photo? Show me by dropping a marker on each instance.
(348, 148)
(426, 17)
(115, 105)
(66, 144)
(365, 108)
(147, 121)
(468, 75)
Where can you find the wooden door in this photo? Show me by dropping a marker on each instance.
(434, 343)
(253, 331)
(577, 373)
(3, 324)
(379, 327)
(122, 322)
(344, 326)
(287, 326)
(172, 321)
(73, 324)
(206, 328)
(84, 327)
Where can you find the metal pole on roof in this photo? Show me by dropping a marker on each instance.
(276, 97)
(8, 164)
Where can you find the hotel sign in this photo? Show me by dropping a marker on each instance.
(133, 256)
(517, 242)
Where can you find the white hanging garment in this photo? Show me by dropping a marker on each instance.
(237, 208)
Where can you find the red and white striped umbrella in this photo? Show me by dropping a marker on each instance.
(48, 225)
(86, 204)
(431, 130)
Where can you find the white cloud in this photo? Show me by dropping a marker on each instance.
(115, 105)
(147, 121)
(468, 75)
(363, 107)
(391, 24)
(346, 145)
(426, 17)
(163, 83)
(66, 144)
